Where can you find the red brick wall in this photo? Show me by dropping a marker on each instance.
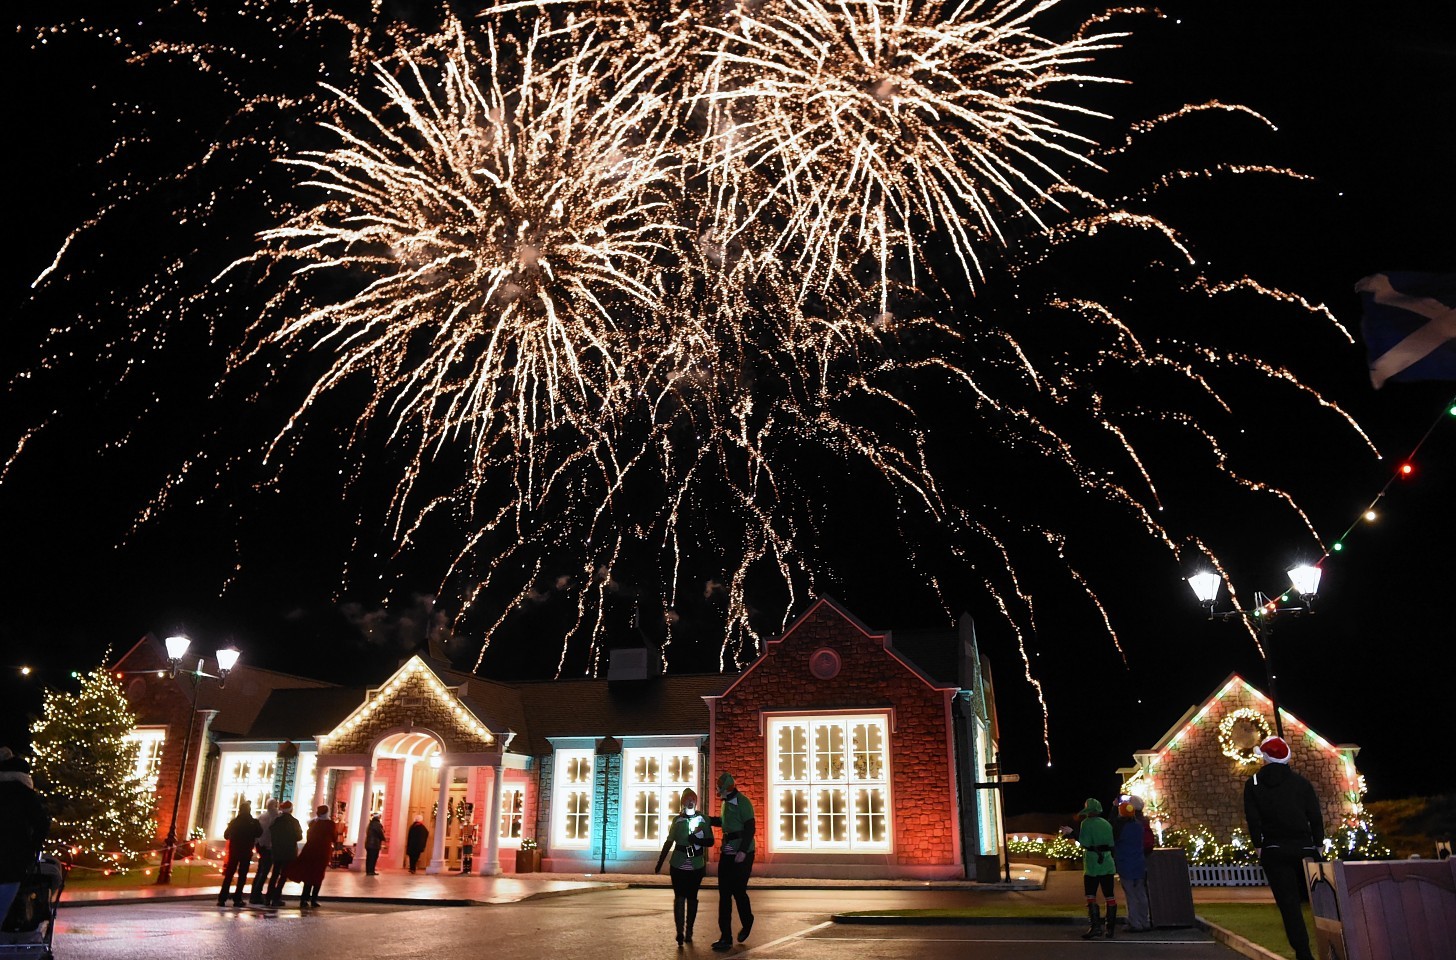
(919, 747)
(165, 701)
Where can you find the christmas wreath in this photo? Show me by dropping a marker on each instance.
(1232, 747)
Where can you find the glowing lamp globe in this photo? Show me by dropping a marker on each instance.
(227, 658)
(177, 647)
(1205, 586)
(1306, 579)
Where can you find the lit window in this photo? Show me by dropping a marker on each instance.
(830, 783)
(652, 792)
(573, 798)
(512, 812)
(149, 741)
(242, 776)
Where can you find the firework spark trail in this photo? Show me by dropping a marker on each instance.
(854, 125)
(625, 296)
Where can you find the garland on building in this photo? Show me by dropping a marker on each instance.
(86, 771)
(1231, 748)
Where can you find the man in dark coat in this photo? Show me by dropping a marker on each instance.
(241, 833)
(1285, 826)
(24, 824)
(414, 843)
(374, 840)
(286, 834)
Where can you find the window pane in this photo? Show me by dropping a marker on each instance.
(869, 816)
(645, 815)
(832, 816)
(828, 751)
(645, 769)
(869, 751)
(794, 816)
(793, 763)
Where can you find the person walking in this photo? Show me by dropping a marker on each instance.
(313, 861)
(1285, 826)
(1098, 867)
(241, 834)
(265, 853)
(374, 840)
(416, 841)
(735, 863)
(1129, 854)
(688, 837)
(285, 833)
(24, 824)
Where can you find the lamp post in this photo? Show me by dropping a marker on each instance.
(227, 658)
(1261, 618)
(607, 748)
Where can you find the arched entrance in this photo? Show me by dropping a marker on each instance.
(407, 787)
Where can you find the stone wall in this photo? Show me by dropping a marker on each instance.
(1198, 785)
(919, 751)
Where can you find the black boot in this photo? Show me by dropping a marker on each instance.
(692, 916)
(677, 917)
(1111, 920)
(1094, 922)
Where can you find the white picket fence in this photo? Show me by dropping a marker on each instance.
(1227, 875)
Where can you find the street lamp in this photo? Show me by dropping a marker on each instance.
(1305, 579)
(227, 658)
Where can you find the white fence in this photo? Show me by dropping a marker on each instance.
(1227, 875)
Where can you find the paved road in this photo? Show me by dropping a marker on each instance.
(603, 925)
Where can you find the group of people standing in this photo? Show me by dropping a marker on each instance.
(688, 838)
(275, 835)
(1286, 826)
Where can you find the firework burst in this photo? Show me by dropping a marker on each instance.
(690, 315)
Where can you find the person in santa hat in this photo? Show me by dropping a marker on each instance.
(1285, 826)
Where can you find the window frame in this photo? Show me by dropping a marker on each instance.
(831, 777)
(668, 791)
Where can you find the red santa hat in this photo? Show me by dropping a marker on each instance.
(1274, 750)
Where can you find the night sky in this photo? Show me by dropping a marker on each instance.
(1362, 104)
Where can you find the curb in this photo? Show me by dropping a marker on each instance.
(1235, 942)
(901, 921)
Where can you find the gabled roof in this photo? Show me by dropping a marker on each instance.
(1231, 682)
(885, 639)
(301, 713)
(238, 702)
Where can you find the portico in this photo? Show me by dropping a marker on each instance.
(417, 747)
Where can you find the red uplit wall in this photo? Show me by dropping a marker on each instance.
(869, 678)
(162, 701)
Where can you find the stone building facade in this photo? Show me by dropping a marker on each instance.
(1194, 775)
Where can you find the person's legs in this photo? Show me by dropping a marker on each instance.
(371, 861)
(1094, 916)
(1285, 870)
(1110, 899)
(694, 883)
(730, 876)
(740, 896)
(228, 871)
(1138, 917)
(275, 884)
(244, 863)
(260, 879)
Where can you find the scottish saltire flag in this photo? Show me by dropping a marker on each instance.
(1409, 326)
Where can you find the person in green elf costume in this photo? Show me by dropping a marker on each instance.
(1098, 866)
(735, 864)
(688, 837)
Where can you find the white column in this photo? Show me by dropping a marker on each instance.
(490, 865)
(321, 779)
(442, 809)
(361, 816)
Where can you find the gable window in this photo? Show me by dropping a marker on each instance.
(829, 783)
(653, 782)
(573, 799)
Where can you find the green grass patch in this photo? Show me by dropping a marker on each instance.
(1258, 922)
(183, 875)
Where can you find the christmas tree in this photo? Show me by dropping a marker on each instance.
(86, 769)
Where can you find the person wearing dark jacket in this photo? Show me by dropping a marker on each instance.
(1285, 826)
(312, 862)
(241, 833)
(24, 824)
(1131, 860)
(415, 841)
(374, 841)
(285, 834)
(265, 852)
